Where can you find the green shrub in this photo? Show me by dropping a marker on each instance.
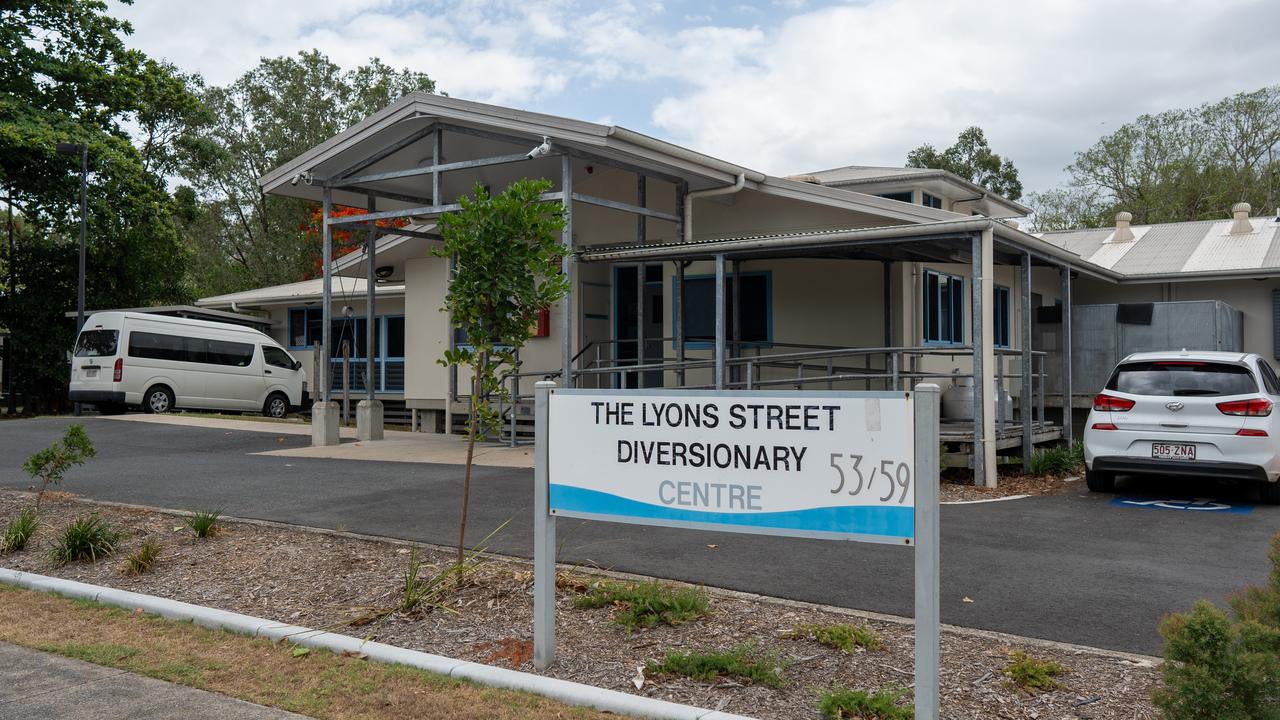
(848, 638)
(433, 590)
(49, 465)
(143, 559)
(204, 523)
(1056, 461)
(862, 705)
(745, 662)
(645, 604)
(1224, 666)
(1032, 674)
(88, 538)
(19, 530)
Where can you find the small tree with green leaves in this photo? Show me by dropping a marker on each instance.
(1225, 667)
(49, 465)
(507, 252)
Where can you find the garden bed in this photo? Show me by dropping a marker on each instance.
(327, 580)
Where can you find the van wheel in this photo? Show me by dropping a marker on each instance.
(1269, 493)
(277, 406)
(159, 399)
(1100, 481)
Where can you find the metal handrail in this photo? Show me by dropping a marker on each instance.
(894, 373)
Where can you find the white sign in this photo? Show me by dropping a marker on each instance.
(810, 464)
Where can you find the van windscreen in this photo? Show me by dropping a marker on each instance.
(1182, 378)
(97, 343)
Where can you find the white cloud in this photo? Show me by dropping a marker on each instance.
(783, 86)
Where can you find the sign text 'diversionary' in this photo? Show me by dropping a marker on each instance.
(808, 464)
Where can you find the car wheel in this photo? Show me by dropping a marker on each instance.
(277, 406)
(1269, 493)
(1099, 481)
(159, 399)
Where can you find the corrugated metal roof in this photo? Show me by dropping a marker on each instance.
(299, 291)
(1201, 246)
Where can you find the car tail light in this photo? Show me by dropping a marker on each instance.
(1250, 432)
(1111, 403)
(1105, 426)
(118, 374)
(1253, 407)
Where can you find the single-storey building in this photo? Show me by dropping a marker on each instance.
(691, 271)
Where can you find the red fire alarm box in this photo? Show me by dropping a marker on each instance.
(543, 326)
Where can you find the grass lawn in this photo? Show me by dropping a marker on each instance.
(316, 683)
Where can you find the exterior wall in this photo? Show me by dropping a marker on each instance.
(426, 329)
(1251, 297)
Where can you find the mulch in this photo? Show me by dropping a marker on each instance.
(328, 579)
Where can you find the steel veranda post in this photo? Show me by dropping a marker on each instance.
(544, 534)
(326, 314)
(925, 401)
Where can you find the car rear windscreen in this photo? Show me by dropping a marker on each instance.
(1182, 378)
(97, 343)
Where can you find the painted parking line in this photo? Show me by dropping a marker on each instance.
(1200, 505)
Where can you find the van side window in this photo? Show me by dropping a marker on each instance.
(222, 352)
(277, 357)
(157, 346)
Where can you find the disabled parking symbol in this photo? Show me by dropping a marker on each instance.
(1198, 505)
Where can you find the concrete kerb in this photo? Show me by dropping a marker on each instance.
(713, 590)
(562, 690)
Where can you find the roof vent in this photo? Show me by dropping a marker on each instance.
(1123, 233)
(1240, 224)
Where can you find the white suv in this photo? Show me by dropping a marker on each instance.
(1187, 413)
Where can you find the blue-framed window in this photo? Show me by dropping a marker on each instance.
(943, 308)
(305, 325)
(1003, 330)
(755, 319)
(932, 201)
(899, 196)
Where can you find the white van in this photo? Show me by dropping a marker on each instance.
(161, 363)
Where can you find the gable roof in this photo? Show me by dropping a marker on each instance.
(855, 175)
(410, 114)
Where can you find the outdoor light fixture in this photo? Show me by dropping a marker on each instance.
(542, 150)
(383, 272)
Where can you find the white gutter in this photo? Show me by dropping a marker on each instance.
(568, 692)
(690, 197)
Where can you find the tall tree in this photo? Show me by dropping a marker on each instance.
(1174, 166)
(66, 75)
(971, 158)
(242, 238)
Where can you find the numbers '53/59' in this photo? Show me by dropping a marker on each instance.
(856, 475)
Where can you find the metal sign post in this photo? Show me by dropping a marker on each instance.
(854, 466)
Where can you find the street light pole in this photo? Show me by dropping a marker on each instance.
(83, 151)
(84, 200)
(11, 307)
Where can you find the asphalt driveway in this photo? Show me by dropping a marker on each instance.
(1077, 567)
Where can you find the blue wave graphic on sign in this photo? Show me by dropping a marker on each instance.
(897, 522)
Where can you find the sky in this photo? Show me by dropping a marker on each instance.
(781, 86)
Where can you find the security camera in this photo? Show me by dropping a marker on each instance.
(542, 150)
(294, 180)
